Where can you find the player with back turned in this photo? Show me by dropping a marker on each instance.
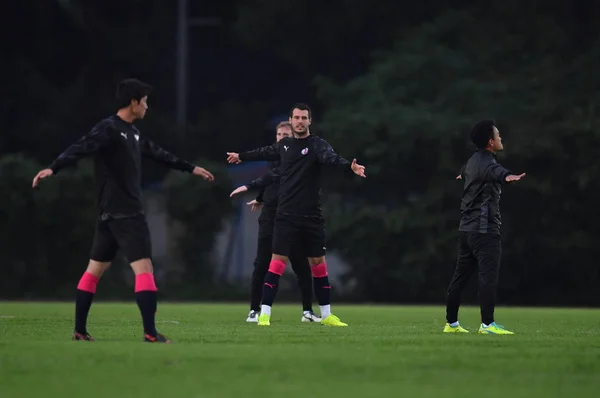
(299, 218)
(480, 245)
(117, 147)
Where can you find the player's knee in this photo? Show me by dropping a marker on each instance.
(316, 260)
(97, 268)
(277, 266)
(485, 284)
(319, 270)
(90, 278)
(488, 281)
(143, 266)
(144, 282)
(279, 257)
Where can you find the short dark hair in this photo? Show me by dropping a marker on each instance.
(483, 132)
(131, 89)
(302, 107)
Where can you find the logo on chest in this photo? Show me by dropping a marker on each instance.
(136, 136)
(304, 151)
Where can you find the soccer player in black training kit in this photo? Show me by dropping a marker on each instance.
(117, 147)
(299, 218)
(480, 246)
(267, 199)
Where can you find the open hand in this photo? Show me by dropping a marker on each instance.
(512, 177)
(207, 175)
(41, 175)
(233, 157)
(255, 205)
(358, 169)
(241, 189)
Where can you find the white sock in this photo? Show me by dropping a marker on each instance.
(325, 310)
(265, 309)
(454, 324)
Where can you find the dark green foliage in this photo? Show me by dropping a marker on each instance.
(46, 233)
(407, 119)
(397, 86)
(197, 210)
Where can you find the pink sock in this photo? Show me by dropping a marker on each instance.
(322, 288)
(145, 283)
(88, 283)
(319, 270)
(277, 267)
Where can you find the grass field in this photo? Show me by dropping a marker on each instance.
(386, 352)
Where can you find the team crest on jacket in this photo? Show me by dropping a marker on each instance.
(304, 151)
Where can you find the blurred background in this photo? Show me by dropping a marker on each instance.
(396, 84)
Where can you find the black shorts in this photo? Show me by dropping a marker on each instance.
(304, 233)
(130, 234)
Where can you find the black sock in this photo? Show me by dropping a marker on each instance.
(270, 287)
(258, 278)
(322, 290)
(147, 302)
(83, 302)
(306, 290)
(452, 306)
(304, 276)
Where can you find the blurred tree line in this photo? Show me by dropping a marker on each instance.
(395, 84)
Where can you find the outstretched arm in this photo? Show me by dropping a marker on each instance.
(328, 157)
(260, 183)
(270, 152)
(462, 172)
(496, 173)
(87, 145)
(151, 150)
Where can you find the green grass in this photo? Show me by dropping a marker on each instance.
(386, 352)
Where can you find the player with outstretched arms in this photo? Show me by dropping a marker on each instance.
(299, 218)
(117, 147)
(266, 200)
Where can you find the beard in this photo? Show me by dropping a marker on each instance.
(301, 133)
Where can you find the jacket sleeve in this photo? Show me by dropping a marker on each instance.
(150, 150)
(97, 139)
(261, 182)
(327, 156)
(270, 152)
(260, 196)
(462, 171)
(495, 172)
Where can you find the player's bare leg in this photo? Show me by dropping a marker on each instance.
(86, 289)
(318, 266)
(145, 295)
(270, 287)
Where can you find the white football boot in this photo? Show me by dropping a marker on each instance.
(309, 316)
(253, 316)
